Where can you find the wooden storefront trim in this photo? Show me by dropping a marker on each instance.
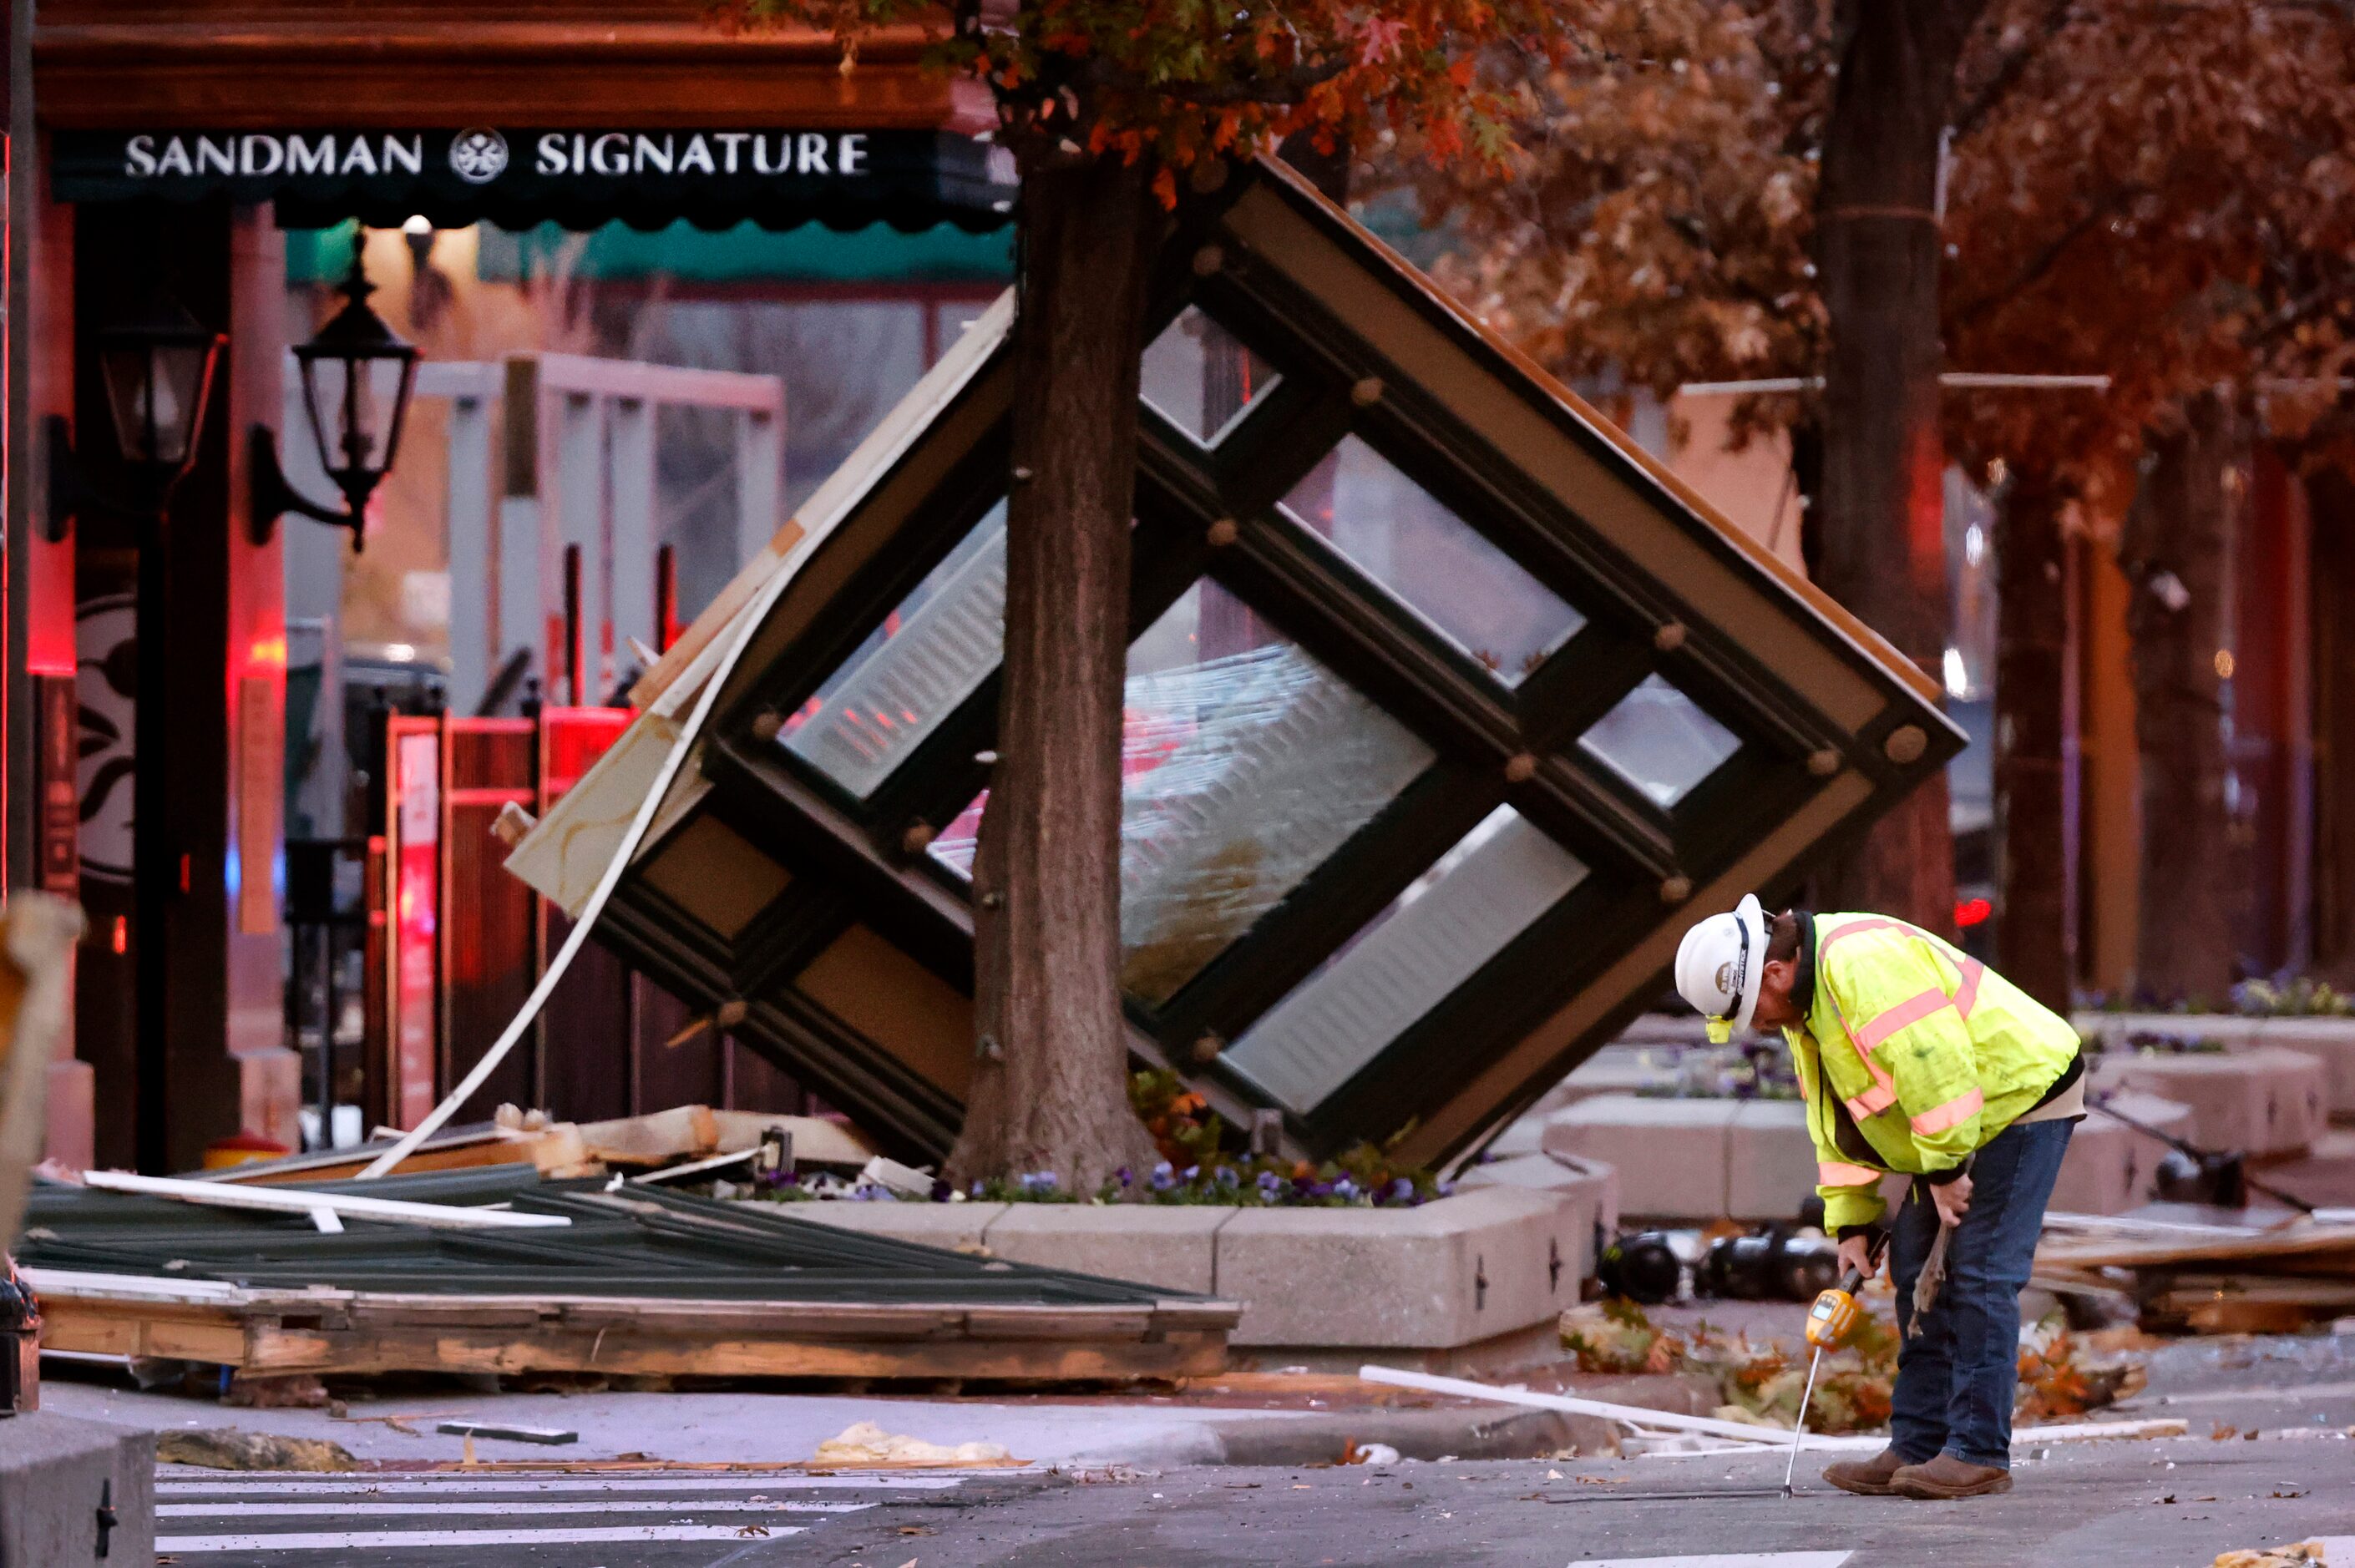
(251, 65)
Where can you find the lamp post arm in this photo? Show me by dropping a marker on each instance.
(270, 495)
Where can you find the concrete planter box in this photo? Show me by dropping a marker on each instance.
(1494, 1264)
(1591, 1181)
(2330, 1041)
(1174, 1247)
(1671, 1155)
(2264, 1100)
(1702, 1159)
(2110, 1165)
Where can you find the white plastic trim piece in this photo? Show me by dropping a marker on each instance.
(1634, 1415)
(336, 1206)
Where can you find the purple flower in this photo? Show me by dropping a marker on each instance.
(1345, 1189)
(1401, 1191)
(1125, 1176)
(1164, 1178)
(1037, 1182)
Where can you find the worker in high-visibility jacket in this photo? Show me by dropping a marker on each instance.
(1916, 1059)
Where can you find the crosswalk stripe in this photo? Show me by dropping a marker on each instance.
(1724, 1560)
(345, 1483)
(363, 1506)
(379, 1539)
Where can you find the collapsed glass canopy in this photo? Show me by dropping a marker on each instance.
(1442, 716)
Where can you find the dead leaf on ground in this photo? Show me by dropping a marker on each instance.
(918, 1530)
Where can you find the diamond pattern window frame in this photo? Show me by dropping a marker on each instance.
(1835, 725)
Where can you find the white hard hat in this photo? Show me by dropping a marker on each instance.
(1719, 965)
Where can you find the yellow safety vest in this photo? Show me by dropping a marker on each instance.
(1926, 1053)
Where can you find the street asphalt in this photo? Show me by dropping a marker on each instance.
(2171, 1503)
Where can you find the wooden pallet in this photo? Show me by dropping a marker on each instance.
(282, 1334)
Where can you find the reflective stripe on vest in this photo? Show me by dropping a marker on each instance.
(1911, 1011)
(1967, 994)
(1961, 1108)
(1883, 1093)
(1832, 1173)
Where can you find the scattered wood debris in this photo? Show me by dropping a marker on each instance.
(2213, 1278)
(560, 1150)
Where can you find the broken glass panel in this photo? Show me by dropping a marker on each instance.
(1201, 378)
(1432, 561)
(930, 654)
(1245, 764)
(1660, 741)
(1474, 899)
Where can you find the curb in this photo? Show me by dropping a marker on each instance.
(1416, 1434)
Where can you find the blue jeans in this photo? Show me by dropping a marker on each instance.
(1954, 1382)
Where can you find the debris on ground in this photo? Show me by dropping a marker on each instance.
(2211, 1277)
(866, 1443)
(561, 1148)
(230, 1449)
(646, 1283)
(504, 1432)
(2304, 1554)
(2062, 1375)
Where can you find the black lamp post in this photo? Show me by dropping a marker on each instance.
(157, 367)
(357, 375)
(158, 371)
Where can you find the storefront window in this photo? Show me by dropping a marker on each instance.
(1201, 378)
(1432, 561)
(1660, 741)
(1245, 765)
(931, 653)
(1479, 895)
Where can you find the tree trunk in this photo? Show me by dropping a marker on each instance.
(1883, 521)
(2031, 718)
(2175, 551)
(1048, 1090)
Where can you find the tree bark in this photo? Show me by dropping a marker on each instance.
(1049, 1091)
(2177, 553)
(1883, 522)
(2033, 946)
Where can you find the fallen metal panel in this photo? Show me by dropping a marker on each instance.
(644, 1282)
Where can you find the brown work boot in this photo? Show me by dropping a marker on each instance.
(1947, 1477)
(1865, 1478)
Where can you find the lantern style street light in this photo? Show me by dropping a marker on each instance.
(357, 375)
(157, 368)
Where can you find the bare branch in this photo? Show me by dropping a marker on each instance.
(2058, 16)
